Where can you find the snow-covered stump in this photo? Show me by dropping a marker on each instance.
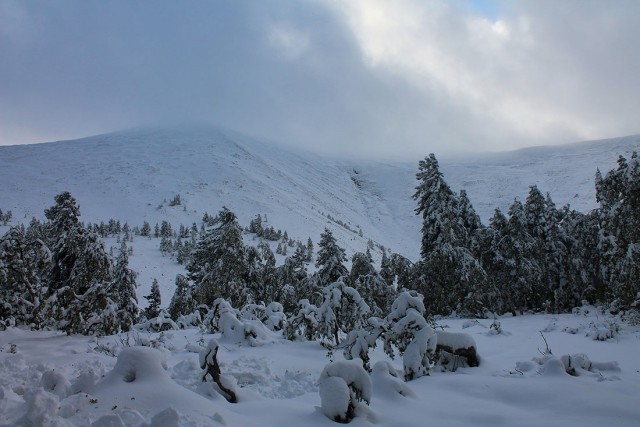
(344, 386)
(209, 363)
(458, 344)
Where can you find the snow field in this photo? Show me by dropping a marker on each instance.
(76, 380)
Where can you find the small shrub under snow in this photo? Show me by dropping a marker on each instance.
(344, 386)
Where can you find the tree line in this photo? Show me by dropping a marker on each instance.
(534, 258)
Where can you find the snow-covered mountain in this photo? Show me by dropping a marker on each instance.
(131, 175)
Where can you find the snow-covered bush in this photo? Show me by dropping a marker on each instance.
(158, 324)
(360, 341)
(253, 312)
(344, 386)
(189, 320)
(275, 317)
(342, 310)
(219, 308)
(303, 324)
(410, 333)
(211, 367)
(418, 357)
(577, 364)
(251, 331)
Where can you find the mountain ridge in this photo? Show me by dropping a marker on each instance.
(130, 175)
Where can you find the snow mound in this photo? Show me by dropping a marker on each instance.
(140, 381)
(140, 364)
(387, 383)
(335, 398)
(343, 386)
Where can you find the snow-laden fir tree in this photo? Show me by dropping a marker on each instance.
(155, 301)
(293, 275)
(330, 259)
(341, 311)
(618, 194)
(218, 263)
(124, 285)
(581, 261)
(81, 275)
(555, 254)
(182, 302)
(367, 281)
(512, 266)
(24, 264)
(449, 273)
(304, 323)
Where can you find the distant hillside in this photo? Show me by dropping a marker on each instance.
(132, 175)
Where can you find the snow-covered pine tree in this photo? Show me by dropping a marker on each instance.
(386, 270)
(451, 276)
(155, 301)
(365, 279)
(81, 274)
(518, 252)
(330, 259)
(342, 310)
(218, 263)
(555, 253)
(619, 241)
(182, 302)
(408, 331)
(24, 264)
(294, 282)
(470, 221)
(124, 284)
(535, 217)
(304, 323)
(582, 259)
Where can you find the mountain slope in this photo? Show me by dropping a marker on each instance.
(130, 175)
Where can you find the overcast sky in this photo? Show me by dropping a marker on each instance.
(374, 77)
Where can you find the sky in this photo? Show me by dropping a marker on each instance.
(371, 78)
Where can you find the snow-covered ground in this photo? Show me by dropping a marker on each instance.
(48, 377)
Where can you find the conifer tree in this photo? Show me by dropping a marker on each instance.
(81, 274)
(449, 271)
(330, 259)
(218, 263)
(182, 302)
(23, 267)
(365, 279)
(619, 241)
(155, 301)
(124, 283)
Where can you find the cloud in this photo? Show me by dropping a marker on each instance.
(363, 77)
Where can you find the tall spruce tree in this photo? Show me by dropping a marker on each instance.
(124, 282)
(182, 302)
(619, 241)
(24, 263)
(155, 301)
(330, 259)
(81, 274)
(218, 263)
(452, 277)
